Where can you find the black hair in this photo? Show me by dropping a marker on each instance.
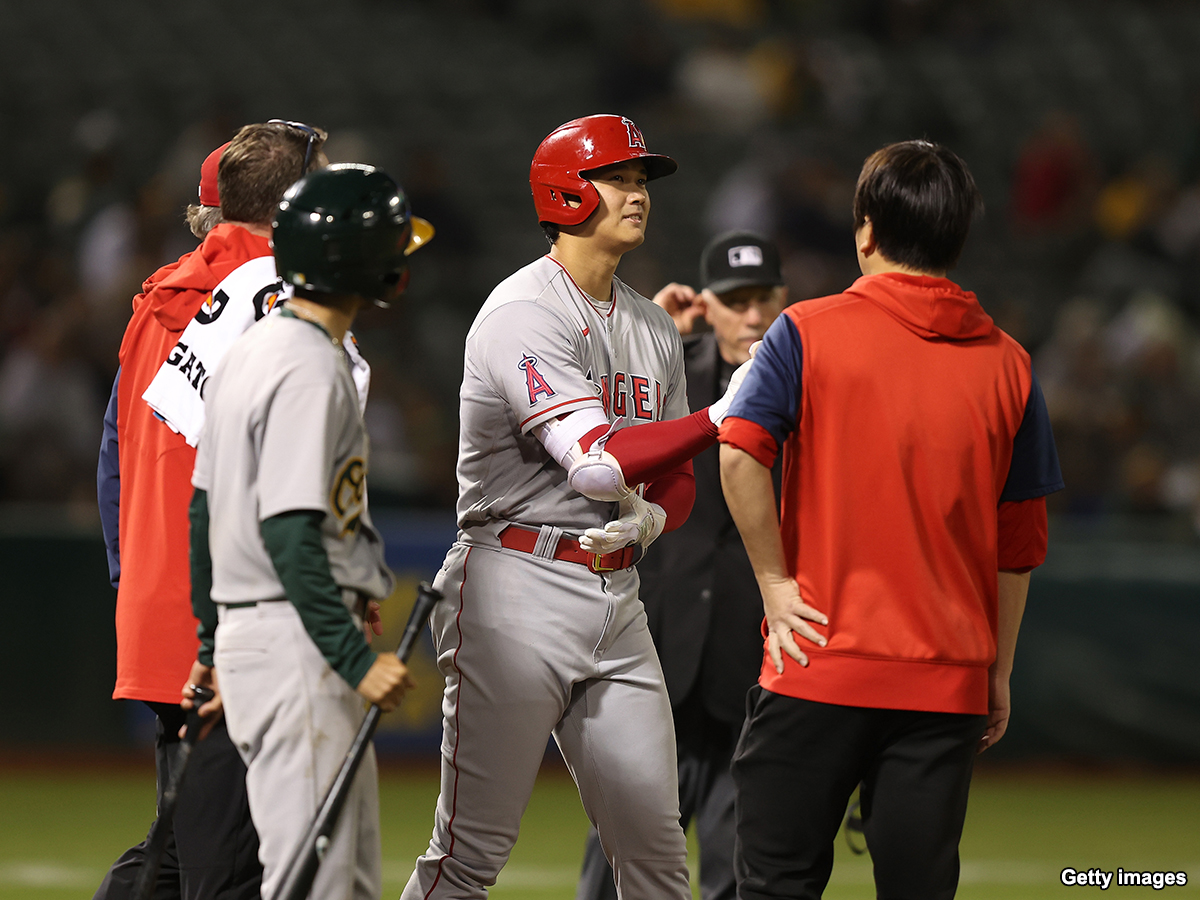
(551, 231)
(920, 198)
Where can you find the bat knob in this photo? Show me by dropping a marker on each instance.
(200, 696)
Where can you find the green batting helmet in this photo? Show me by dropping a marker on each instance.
(346, 229)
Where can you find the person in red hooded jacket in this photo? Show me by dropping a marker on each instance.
(917, 454)
(144, 485)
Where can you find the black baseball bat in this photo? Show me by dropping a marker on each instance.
(306, 859)
(156, 845)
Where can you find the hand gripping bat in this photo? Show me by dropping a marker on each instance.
(160, 833)
(302, 867)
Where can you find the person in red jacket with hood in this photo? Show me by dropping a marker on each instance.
(145, 486)
(917, 454)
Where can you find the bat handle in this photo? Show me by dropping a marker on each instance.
(427, 598)
(200, 696)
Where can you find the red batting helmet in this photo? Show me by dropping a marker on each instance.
(578, 147)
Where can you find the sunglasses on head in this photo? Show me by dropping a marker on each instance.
(305, 129)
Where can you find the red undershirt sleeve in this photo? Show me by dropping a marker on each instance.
(750, 437)
(649, 452)
(1021, 535)
(675, 492)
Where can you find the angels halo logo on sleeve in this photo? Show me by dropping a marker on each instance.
(537, 385)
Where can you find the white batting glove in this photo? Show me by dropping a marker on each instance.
(640, 522)
(718, 411)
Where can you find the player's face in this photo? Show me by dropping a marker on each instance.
(742, 316)
(620, 219)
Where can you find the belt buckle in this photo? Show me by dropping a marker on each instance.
(595, 564)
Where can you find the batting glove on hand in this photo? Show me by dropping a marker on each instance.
(640, 522)
(718, 411)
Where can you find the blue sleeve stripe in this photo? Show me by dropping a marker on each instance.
(1034, 471)
(770, 395)
(108, 486)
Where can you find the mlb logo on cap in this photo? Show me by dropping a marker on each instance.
(739, 259)
(747, 255)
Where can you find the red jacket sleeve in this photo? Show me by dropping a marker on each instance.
(1021, 534)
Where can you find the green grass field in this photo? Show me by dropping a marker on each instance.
(59, 832)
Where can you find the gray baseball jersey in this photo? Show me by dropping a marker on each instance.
(540, 348)
(283, 418)
(531, 645)
(283, 432)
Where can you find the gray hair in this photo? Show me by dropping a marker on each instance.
(203, 219)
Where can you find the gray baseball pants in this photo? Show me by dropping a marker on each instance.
(292, 717)
(532, 647)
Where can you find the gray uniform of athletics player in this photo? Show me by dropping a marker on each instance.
(283, 455)
(278, 689)
(532, 643)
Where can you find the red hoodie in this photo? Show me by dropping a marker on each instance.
(905, 417)
(156, 631)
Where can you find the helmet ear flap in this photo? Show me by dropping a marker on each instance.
(565, 205)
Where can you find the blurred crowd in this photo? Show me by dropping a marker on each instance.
(1088, 158)
(67, 278)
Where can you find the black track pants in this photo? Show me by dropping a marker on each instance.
(798, 762)
(213, 852)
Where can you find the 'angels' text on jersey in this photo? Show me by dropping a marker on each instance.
(631, 396)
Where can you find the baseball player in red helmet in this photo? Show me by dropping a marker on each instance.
(575, 454)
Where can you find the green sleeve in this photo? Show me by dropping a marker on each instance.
(201, 564)
(293, 541)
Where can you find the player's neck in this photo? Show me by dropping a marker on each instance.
(259, 229)
(335, 317)
(592, 271)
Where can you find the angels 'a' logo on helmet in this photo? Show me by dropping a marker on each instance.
(635, 134)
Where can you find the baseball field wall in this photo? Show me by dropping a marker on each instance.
(1106, 664)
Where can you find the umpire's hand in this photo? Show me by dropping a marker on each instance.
(385, 682)
(684, 305)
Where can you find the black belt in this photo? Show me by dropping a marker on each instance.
(360, 603)
(249, 603)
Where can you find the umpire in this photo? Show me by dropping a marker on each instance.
(698, 588)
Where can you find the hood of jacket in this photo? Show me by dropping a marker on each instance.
(929, 307)
(176, 292)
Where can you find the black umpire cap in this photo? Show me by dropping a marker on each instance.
(739, 259)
